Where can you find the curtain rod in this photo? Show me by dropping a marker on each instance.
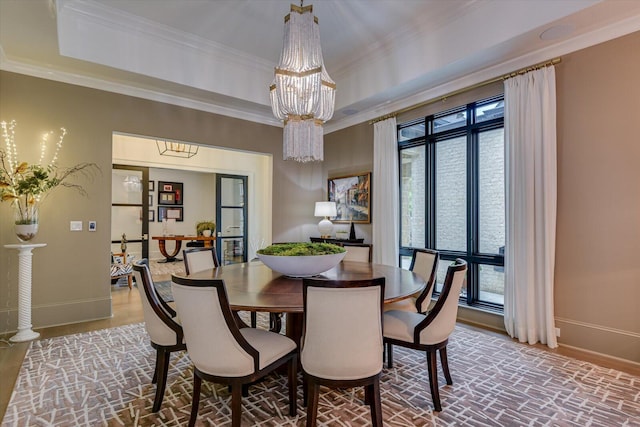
(472, 87)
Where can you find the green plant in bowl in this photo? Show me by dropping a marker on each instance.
(205, 225)
(301, 259)
(301, 249)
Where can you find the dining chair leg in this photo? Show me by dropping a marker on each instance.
(275, 322)
(433, 379)
(195, 402)
(293, 386)
(163, 369)
(389, 355)
(236, 404)
(305, 391)
(445, 365)
(312, 404)
(375, 403)
(155, 372)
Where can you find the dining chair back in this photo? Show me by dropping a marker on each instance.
(342, 343)
(198, 259)
(428, 332)
(357, 252)
(162, 326)
(223, 353)
(424, 263)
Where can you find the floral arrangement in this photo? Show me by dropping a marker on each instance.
(24, 184)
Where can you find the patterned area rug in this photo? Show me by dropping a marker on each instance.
(104, 378)
(164, 289)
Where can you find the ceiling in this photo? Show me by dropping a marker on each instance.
(219, 55)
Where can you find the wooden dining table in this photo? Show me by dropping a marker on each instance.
(252, 286)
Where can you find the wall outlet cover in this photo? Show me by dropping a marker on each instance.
(75, 226)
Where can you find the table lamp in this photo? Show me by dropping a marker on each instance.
(325, 209)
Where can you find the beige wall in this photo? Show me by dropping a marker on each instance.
(597, 281)
(70, 275)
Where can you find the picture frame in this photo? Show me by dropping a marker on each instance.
(173, 212)
(150, 199)
(175, 187)
(152, 215)
(166, 198)
(152, 185)
(352, 194)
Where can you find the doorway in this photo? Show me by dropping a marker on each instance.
(130, 209)
(231, 217)
(138, 150)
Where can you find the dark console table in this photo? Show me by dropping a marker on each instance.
(335, 241)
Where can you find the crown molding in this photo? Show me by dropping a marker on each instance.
(122, 89)
(603, 34)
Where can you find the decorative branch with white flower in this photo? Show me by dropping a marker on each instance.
(25, 184)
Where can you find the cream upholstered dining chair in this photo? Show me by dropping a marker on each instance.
(223, 353)
(424, 263)
(162, 326)
(198, 259)
(357, 252)
(428, 332)
(341, 345)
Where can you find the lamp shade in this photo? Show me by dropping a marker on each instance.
(326, 209)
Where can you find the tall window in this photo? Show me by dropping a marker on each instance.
(452, 194)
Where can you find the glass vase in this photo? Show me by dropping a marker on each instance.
(25, 217)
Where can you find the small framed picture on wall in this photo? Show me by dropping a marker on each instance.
(166, 198)
(172, 187)
(166, 212)
(152, 215)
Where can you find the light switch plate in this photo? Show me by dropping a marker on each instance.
(75, 226)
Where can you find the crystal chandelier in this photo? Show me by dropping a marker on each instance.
(302, 93)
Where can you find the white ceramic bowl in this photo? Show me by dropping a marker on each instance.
(301, 266)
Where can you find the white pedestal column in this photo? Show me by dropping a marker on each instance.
(25, 333)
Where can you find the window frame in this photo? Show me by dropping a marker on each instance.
(471, 130)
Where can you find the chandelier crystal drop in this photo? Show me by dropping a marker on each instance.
(302, 93)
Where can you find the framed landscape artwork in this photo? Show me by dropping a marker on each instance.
(352, 195)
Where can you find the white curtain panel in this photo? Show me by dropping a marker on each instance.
(531, 188)
(385, 217)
